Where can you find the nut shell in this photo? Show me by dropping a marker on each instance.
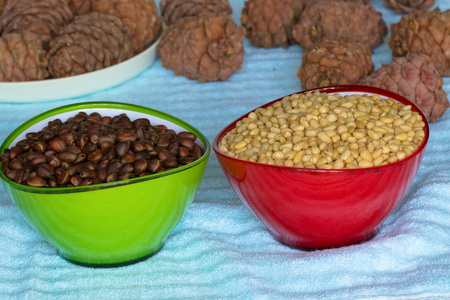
(172, 10)
(269, 23)
(333, 62)
(140, 16)
(415, 78)
(22, 57)
(340, 20)
(426, 32)
(91, 42)
(207, 47)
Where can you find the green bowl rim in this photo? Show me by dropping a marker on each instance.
(109, 105)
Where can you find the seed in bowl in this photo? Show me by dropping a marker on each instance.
(92, 149)
(327, 131)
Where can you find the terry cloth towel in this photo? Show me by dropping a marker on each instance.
(220, 250)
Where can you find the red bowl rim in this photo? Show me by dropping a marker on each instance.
(330, 89)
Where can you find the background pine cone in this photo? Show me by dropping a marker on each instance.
(408, 6)
(141, 17)
(172, 10)
(2, 6)
(91, 42)
(80, 7)
(415, 78)
(427, 32)
(22, 57)
(339, 20)
(43, 17)
(365, 2)
(332, 62)
(206, 47)
(269, 23)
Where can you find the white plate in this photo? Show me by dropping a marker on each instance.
(79, 85)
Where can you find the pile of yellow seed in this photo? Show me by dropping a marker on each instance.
(327, 131)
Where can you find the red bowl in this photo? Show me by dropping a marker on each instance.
(317, 208)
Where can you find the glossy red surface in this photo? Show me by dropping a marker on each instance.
(322, 208)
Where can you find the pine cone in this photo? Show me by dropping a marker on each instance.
(43, 17)
(340, 20)
(81, 7)
(91, 42)
(408, 6)
(332, 62)
(22, 57)
(269, 23)
(365, 2)
(427, 32)
(415, 78)
(206, 47)
(2, 6)
(172, 10)
(141, 16)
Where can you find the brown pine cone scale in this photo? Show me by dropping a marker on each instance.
(43, 17)
(22, 57)
(140, 16)
(424, 32)
(408, 6)
(348, 20)
(2, 6)
(172, 10)
(415, 78)
(81, 7)
(365, 2)
(206, 47)
(91, 42)
(333, 62)
(269, 23)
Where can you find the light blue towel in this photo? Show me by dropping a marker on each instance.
(219, 249)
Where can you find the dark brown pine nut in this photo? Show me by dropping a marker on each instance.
(36, 181)
(140, 166)
(128, 158)
(95, 156)
(15, 164)
(15, 152)
(126, 168)
(112, 177)
(76, 180)
(153, 165)
(114, 166)
(58, 145)
(68, 157)
(92, 149)
(122, 148)
(187, 135)
(45, 171)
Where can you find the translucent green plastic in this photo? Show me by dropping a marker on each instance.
(113, 223)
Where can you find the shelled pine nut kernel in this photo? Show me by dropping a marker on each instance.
(327, 131)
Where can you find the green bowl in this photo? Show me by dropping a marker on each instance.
(109, 224)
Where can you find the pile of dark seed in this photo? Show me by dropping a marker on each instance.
(93, 149)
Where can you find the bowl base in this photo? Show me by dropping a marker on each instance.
(110, 265)
(312, 246)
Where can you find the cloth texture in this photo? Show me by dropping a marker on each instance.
(220, 250)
